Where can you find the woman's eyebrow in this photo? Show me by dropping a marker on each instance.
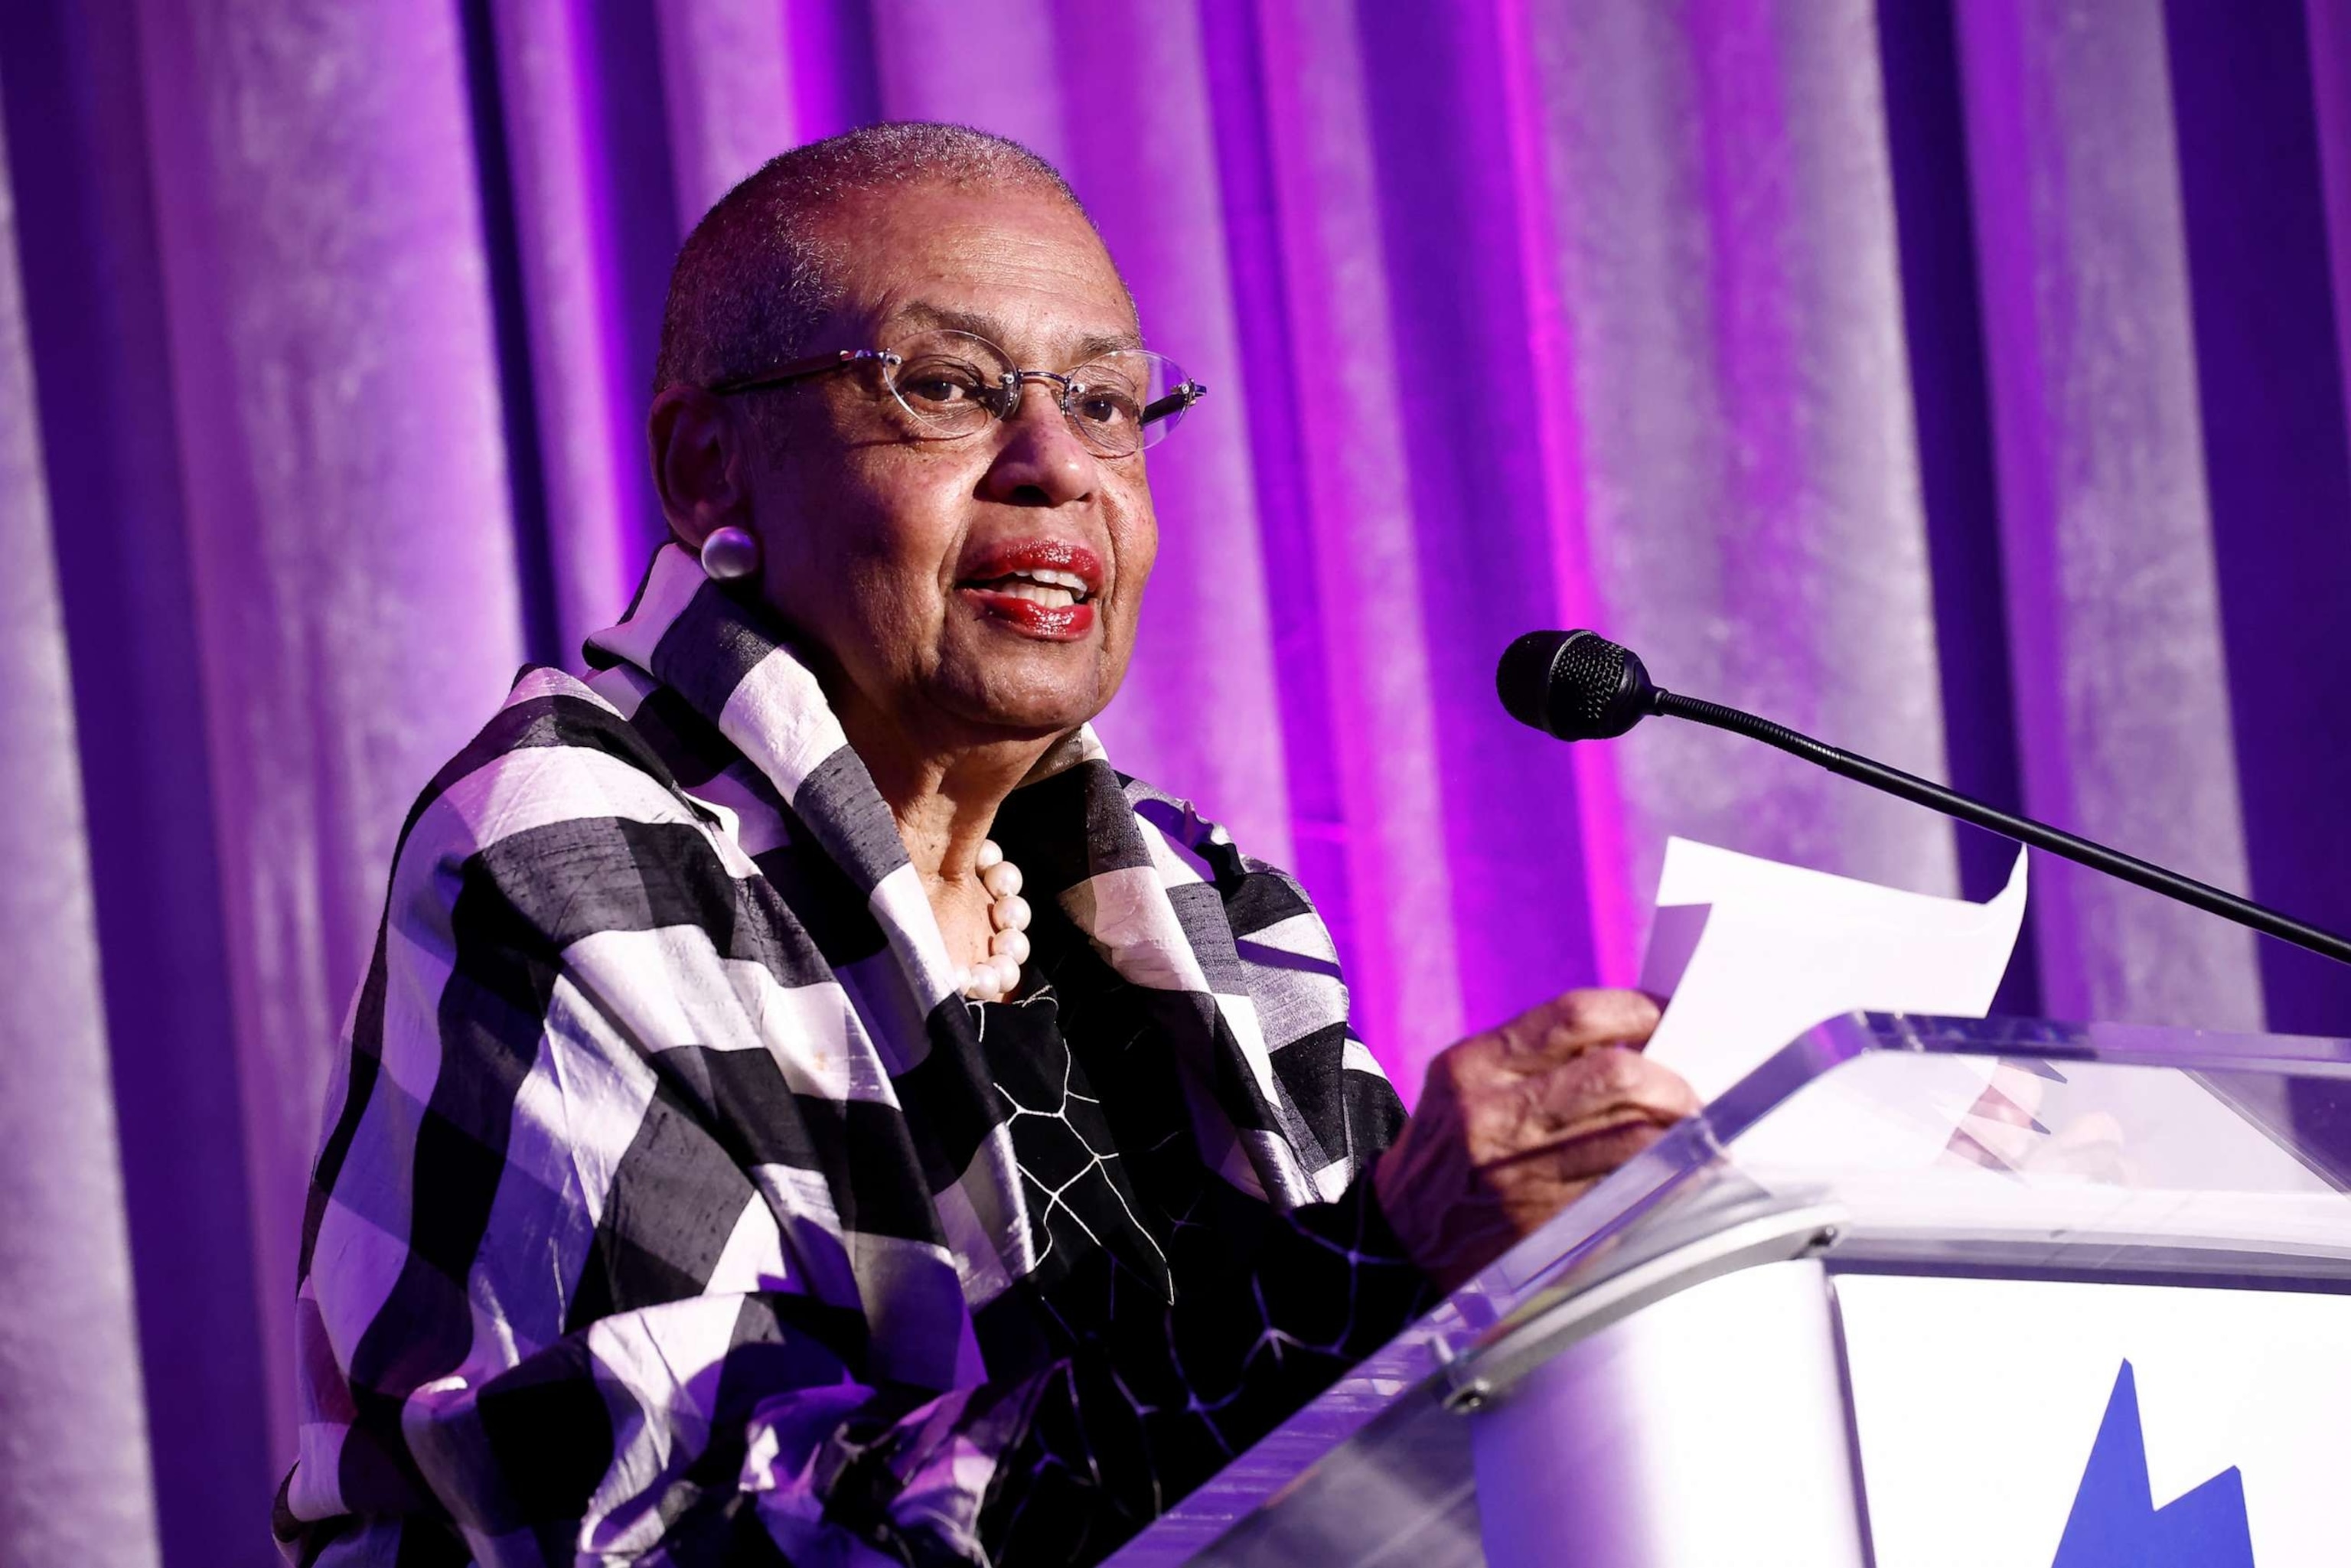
(1105, 344)
(922, 313)
(947, 317)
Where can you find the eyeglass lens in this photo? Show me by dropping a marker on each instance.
(954, 384)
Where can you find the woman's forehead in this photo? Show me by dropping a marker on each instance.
(1025, 270)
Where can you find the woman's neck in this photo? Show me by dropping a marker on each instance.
(943, 779)
(945, 807)
(943, 797)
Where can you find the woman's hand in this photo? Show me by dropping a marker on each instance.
(1516, 1123)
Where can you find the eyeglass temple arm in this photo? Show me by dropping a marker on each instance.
(802, 370)
(1184, 396)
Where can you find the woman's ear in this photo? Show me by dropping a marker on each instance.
(700, 464)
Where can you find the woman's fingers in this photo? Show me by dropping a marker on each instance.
(1564, 1027)
(1605, 1085)
(1520, 1113)
(1577, 1159)
(1611, 1017)
(1516, 1123)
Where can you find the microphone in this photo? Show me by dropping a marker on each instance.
(1578, 685)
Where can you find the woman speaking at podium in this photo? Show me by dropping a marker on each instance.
(805, 1104)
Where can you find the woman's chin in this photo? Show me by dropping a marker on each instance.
(1034, 721)
(1031, 689)
(1028, 709)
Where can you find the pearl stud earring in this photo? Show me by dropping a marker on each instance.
(729, 553)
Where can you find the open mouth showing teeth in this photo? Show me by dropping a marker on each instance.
(1054, 590)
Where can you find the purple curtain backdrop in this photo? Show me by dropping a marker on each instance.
(1962, 383)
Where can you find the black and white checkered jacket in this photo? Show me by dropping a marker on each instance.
(663, 1180)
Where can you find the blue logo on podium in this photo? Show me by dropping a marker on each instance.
(2114, 1522)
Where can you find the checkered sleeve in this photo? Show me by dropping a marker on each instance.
(1259, 937)
(572, 1289)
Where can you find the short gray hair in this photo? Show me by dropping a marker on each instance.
(754, 282)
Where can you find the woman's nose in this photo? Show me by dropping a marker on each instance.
(1039, 461)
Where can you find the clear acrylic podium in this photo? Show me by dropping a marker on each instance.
(1918, 1290)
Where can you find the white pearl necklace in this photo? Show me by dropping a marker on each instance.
(997, 975)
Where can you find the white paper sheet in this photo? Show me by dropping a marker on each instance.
(1753, 953)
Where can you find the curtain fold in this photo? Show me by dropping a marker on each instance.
(1202, 701)
(332, 363)
(2122, 684)
(589, 333)
(2265, 315)
(1724, 239)
(1962, 382)
(70, 1381)
(1336, 364)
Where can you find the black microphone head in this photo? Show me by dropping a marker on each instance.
(1577, 685)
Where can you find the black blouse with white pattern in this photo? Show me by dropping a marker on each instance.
(1189, 1318)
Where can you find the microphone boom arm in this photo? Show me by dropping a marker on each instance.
(1923, 792)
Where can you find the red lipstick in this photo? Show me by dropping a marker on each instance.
(994, 570)
(1049, 622)
(1010, 557)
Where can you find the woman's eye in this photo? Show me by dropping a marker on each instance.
(939, 382)
(939, 389)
